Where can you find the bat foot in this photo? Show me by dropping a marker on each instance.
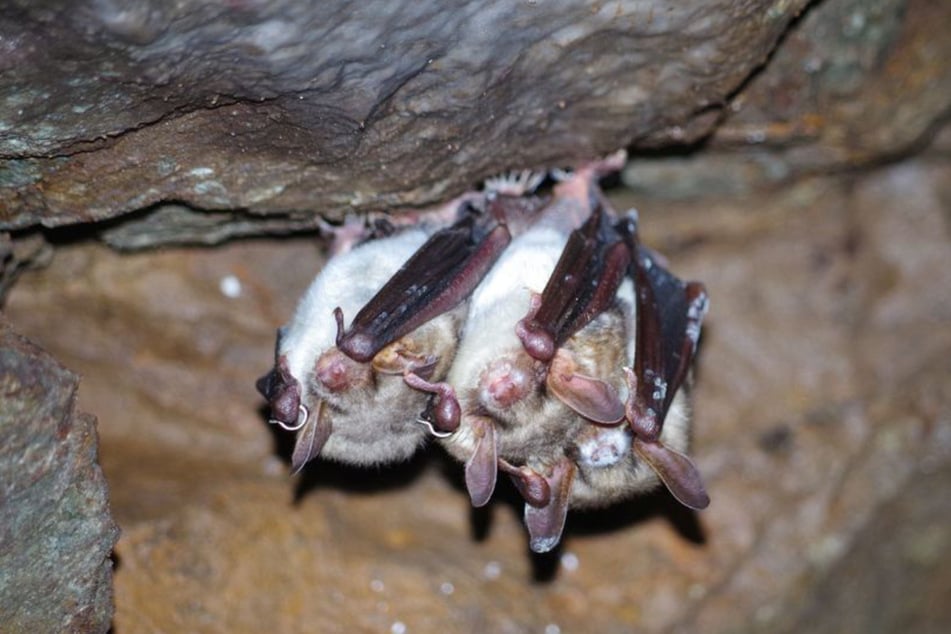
(446, 410)
(514, 183)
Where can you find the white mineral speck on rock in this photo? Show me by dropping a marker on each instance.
(398, 628)
(569, 561)
(492, 570)
(230, 286)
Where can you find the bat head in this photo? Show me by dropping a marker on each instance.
(337, 373)
(507, 380)
(283, 394)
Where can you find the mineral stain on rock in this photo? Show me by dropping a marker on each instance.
(58, 532)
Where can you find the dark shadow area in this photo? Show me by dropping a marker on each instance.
(626, 515)
(358, 480)
(179, 224)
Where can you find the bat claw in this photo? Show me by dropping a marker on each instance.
(302, 415)
(446, 409)
(432, 430)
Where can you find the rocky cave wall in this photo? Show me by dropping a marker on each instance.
(791, 159)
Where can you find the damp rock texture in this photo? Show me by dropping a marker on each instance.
(58, 533)
(268, 112)
(852, 83)
(822, 428)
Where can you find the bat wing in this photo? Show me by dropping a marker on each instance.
(546, 522)
(669, 315)
(583, 285)
(482, 466)
(310, 439)
(442, 273)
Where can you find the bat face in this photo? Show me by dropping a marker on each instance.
(313, 388)
(534, 337)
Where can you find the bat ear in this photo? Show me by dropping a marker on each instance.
(310, 439)
(546, 523)
(590, 397)
(283, 393)
(482, 465)
(678, 473)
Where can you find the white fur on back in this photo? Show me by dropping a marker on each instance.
(348, 280)
(502, 299)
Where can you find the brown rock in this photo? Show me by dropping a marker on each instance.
(281, 107)
(58, 534)
(852, 83)
(822, 427)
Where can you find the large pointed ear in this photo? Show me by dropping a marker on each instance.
(482, 465)
(588, 396)
(678, 473)
(442, 273)
(311, 439)
(546, 523)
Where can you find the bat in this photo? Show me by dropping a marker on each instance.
(605, 462)
(549, 414)
(344, 390)
(534, 336)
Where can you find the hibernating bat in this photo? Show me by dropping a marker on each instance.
(536, 337)
(348, 391)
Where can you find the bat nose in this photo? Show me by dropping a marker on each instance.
(263, 384)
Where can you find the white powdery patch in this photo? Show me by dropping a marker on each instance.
(660, 389)
(569, 561)
(695, 314)
(230, 286)
(492, 570)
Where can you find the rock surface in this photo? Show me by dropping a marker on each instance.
(58, 534)
(286, 108)
(852, 83)
(823, 428)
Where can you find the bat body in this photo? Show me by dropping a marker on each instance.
(494, 379)
(357, 404)
(534, 337)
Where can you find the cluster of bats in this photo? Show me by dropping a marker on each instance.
(533, 336)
